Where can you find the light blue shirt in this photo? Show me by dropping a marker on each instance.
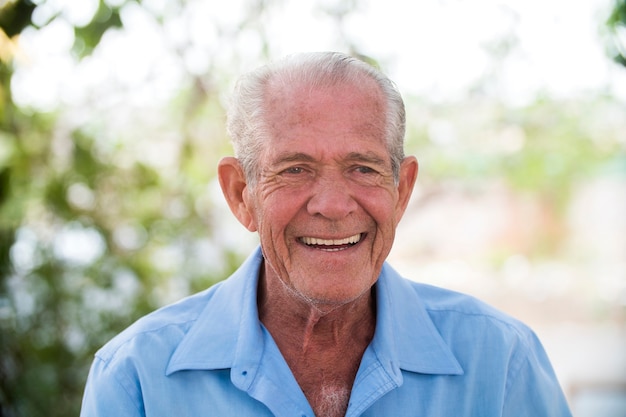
(435, 353)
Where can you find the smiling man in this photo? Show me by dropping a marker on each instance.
(315, 323)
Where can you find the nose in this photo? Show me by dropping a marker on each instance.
(331, 198)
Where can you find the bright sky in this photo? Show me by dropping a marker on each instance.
(443, 48)
(435, 48)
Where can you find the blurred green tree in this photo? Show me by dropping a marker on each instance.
(616, 24)
(90, 237)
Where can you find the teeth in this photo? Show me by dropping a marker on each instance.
(331, 242)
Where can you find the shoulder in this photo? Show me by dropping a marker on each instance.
(439, 299)
(458, 315)
(495, 351)
(152, 340)
(479, 336)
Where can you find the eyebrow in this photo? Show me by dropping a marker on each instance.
(368, 157)
(293, 157)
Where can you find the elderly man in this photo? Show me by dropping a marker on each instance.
(315, 322)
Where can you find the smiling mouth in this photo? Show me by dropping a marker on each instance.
(332, 245)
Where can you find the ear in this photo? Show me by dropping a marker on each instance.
(408, 176)
(234, 186)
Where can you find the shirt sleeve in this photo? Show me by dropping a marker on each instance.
(532, 387)
(110, 392)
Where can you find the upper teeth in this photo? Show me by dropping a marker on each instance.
(331, 242)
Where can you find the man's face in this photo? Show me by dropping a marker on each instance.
(326, 205)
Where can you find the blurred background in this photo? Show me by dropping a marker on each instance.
(112, 122)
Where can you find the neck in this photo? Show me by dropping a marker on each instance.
(304, 324)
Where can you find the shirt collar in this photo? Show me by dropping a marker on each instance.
(405, 333)
(228, 332)
(228, 327)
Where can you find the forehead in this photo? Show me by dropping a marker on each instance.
(301, 95)
(336, 113)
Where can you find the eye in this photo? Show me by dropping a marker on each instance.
(362, 169)
(293, 170)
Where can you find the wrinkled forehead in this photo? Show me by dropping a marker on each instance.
(324, 120)
(305, 102)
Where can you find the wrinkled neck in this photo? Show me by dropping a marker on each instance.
(305, 324)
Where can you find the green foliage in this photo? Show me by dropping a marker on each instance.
(15, 16)
(545, 148)
(90, 238)
(89, 36)
(143, 229)
(616, 23)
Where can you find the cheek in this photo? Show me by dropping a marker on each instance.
(268, 209)
(381, 207)
(283, 206)
(273, 221)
